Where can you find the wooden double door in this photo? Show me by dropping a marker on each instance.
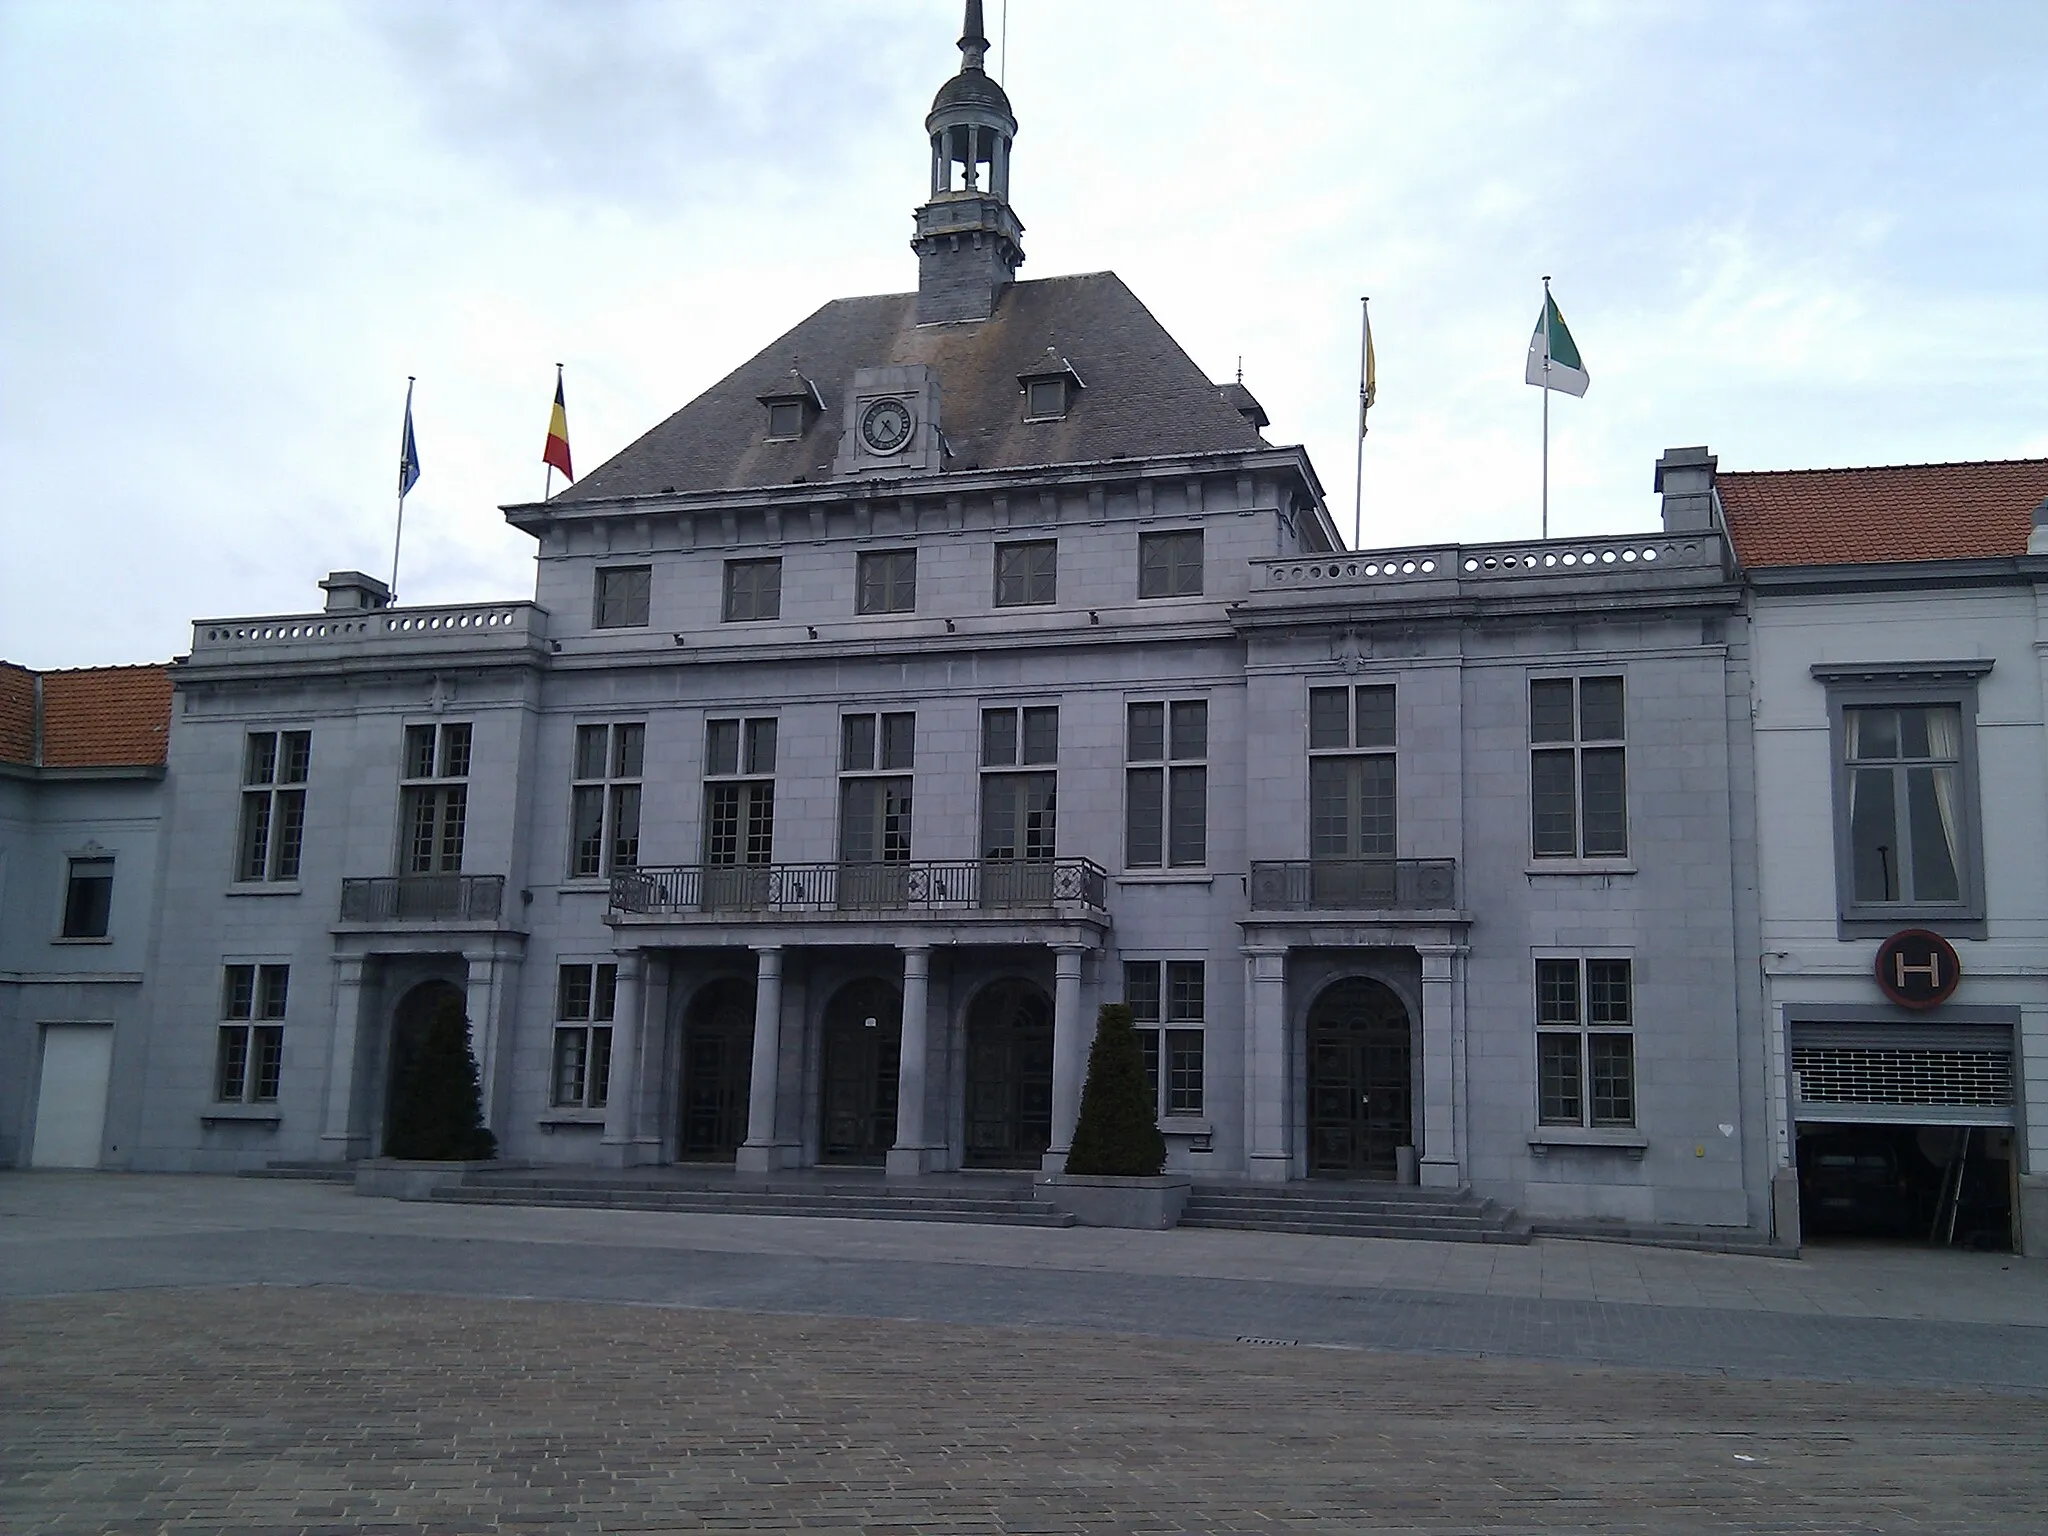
(718, 1067)
(863, 1042)
(1360, 1084)
(1009, 1076)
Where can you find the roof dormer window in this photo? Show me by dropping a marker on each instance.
(1050, 389)
(792, 408)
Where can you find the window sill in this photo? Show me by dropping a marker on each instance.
(1624, 1139)
(1623, 866)
(1164, 877)
(80, 938)
(1185, 1125)
(265, 888)
(572, 1119)
(242, 1114)
(1866, 924)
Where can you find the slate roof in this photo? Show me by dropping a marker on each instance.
(1870, 516)
(92, 717)
(1144, 395)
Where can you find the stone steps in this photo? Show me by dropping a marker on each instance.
(740, 1200)
(1371, 1211)
(322, 1173)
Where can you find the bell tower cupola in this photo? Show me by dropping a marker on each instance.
(967, 239)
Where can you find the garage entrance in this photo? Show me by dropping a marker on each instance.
(1904, 1132)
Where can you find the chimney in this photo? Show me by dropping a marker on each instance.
(1685, 477)
(353, 592)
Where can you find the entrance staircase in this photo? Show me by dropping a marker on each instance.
(843, 1193)
(1355, 1210)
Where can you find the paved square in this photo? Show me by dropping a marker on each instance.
(479, 1386)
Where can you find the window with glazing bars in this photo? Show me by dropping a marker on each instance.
(604, 810)
(1019, 813)
(1578, 775)
(886, 581)
(1026, 573)
(1351, 773)
(1166, 784)
(875, 757)
(434, 798)
(584, 1002)
(739, 793)
(1170, 564)
(249, 1054)
(1585, 1042)
(753, 590)
(1166, 999)
(275, 765)
(622, 595)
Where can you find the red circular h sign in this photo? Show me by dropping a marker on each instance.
(1917, 969)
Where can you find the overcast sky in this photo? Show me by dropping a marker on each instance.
(1802, 234)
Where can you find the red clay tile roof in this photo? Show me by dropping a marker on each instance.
(93, 717)
(17, 714)
(1903, 512)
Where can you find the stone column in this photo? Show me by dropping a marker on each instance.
(760, 1154)
(1069, 1054)
(1269, 1156)
(622, 1092)
(484, 999)
(1442, 1164)
(907, 1157)
(340, 1138)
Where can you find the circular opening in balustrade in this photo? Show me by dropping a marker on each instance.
(1649, 554)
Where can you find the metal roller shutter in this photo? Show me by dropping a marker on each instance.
(1903, 1075)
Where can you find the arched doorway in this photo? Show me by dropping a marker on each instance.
(718, 1063)
(1360, 1096)
(863, 1037)
(410, 1023)
(1009, 1076)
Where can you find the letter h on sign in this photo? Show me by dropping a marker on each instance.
(1917, 969)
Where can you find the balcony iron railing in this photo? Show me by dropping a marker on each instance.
(1354, 885)
(423, 899)
(960, 885)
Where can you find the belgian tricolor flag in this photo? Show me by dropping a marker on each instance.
(557, 450)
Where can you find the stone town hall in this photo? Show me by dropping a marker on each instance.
(964, 660)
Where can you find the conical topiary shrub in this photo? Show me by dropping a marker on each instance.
(436, 1105)
(1118, 1133)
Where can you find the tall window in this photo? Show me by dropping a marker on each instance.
(88, 898)
(1585, 1043)
(1166, 785)
(584, 998)
(621, 599)
(1351, 794)
(875, 756)
(739, 792)
(435, 797)
(1578, 789)
(1167, 1006)
(605, 803)
(886, 581)
(1026, 573)
(1170, 564)
(1019, 748)
(1904, 769)
(249, 1057)
(274, 769)
(753, 590)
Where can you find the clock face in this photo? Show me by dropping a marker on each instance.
(885, 426)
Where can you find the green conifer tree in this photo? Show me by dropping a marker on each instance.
(1118, 1131)
(437, 1104)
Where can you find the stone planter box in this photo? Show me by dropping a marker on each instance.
(393, 1178)
(1098, 1200)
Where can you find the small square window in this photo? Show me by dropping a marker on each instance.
(88, 898)
(1026, 574)
(1170, 564)
(785, 420)
(886, 581)
(1045, 400)
(622, 596)
(753, 590)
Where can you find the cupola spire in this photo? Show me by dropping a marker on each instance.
(968, 237)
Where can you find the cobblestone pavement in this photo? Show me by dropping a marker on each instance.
(236, 1356)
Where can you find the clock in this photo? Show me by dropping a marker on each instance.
(885, 426)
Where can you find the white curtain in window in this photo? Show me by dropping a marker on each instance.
(1944, 743)
(1852, 733)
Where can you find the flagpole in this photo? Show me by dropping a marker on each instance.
(404, 485)
(1358, 470)
(1546, 407)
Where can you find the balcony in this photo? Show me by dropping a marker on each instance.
(938, 887)
(1354, 885)
(423, 899)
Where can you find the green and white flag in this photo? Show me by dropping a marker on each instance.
(1553, 343)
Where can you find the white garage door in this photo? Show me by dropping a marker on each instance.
(71, 1102)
